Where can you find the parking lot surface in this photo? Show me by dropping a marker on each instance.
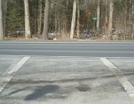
(66, 80)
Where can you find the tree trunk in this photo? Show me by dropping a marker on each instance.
(1, 22)
(110, 20)
(73, 20)
(56, 21)
(106, 25)
(132, 19)
(66, 18)
(78, 19)
(46, 16)
(39, 17)
(4, 15)
(98, 17)
(27, 23)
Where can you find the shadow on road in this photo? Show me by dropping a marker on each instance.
(41, 91)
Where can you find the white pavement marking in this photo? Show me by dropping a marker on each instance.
(4, 81)
(129, 88)
(18, 65)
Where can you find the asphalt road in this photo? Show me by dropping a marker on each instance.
(66, 80)
(68, 48)
(66, 72)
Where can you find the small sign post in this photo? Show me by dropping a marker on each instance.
(94, 18)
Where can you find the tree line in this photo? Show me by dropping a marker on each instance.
(67, 19)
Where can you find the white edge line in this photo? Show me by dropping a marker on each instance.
(5, 80)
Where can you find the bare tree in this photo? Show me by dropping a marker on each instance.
(98, 17)
(132, 19)
(39, 17)
(27, 23)
(1, 22)
(78, 19)
(46, 16)
(73, 20)
(110, 20)
(4, 15)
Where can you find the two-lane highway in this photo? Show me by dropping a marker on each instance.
(68, 48)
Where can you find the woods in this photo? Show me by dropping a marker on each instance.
(67, 19)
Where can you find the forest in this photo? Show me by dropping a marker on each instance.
(67, 19)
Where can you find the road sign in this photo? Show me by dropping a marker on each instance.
(94, 18)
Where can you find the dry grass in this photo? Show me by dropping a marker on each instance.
(58, 37)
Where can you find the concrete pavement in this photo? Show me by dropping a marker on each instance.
(66, 80)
